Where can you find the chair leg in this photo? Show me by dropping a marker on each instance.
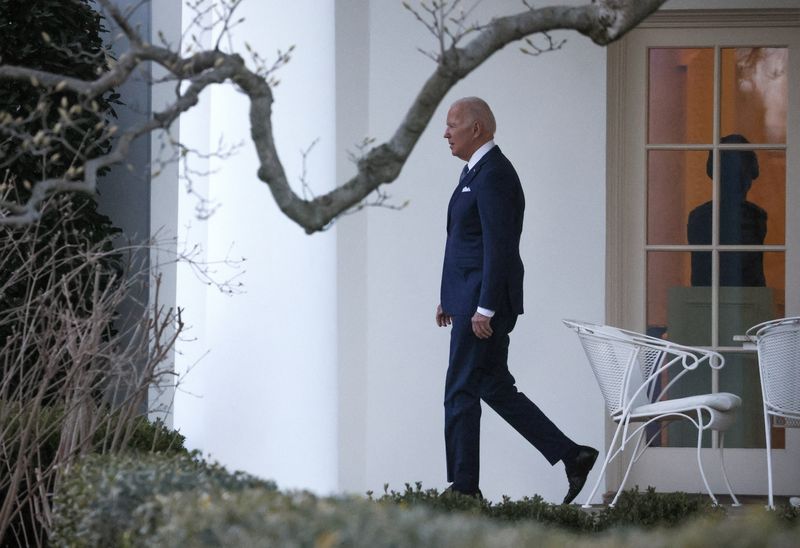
(628, 471)
(608, 458)
(724, 472)
(699, 459)
(768, 436)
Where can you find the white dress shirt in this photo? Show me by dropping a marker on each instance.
(480, 153)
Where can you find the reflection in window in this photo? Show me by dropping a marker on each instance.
(741, 222)
(747, 207)
(755, 94)
(740, 376)
(680, 95)
(676, 184)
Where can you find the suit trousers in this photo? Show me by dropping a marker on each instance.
(478, 370)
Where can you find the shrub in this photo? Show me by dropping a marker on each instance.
(144, 435)
(255, 518)
(788, 513)
(536, 509)
(46, 429)
(155, 437)
(182, 501)
(95, 504)
(651, 509)
(648, 509)
(416, 495)
(61, 280)
(63, 36)
(260, 517)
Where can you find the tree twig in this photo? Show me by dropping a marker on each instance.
(603, 21)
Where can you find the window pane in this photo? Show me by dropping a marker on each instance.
(752, 199)
(755, 93)
(677, 185)
(742, 306)
(769, 192)
(680, 95)
(775, 275)
(675, 310)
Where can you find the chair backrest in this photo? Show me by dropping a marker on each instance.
(620, 364)
(779, 363)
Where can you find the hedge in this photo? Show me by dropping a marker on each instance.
(169, 501)
(97, 501)
(642, 509)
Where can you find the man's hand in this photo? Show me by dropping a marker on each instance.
(481, 326)
(442, 319)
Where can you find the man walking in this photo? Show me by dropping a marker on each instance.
(481, 297)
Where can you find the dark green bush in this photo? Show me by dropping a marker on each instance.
(651, 509)
(144, 434)
(536, 509)
(155, 437)
(787, 513)
(96, 502)
(416, 495)
(62, 36)
(634, 508)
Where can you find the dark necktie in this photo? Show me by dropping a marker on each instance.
(463, 173)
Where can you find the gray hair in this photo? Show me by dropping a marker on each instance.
(478, 111)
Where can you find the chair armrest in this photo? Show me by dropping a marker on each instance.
(688, 358)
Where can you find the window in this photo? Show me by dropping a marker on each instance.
(716, 195)
(704, 206)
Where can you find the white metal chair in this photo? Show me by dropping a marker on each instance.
(627, 366)
(778, 343)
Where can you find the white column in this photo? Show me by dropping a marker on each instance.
(267, 388)
(163, 204)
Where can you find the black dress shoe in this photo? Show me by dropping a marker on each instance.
(578, 468)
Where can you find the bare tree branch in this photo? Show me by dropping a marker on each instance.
(602, 20)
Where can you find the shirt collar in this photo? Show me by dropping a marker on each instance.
(478, 154)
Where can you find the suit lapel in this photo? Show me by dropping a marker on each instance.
(468, 178)
(456, 192)
(472, 173)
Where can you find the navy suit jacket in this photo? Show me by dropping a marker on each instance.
(482, 265)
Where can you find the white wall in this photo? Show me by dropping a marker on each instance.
(345, 328)
(551, 114)
(556, 141)
(191, 361)
(268, 385)
(352, 125)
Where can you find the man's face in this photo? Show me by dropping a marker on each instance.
(460, 133)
